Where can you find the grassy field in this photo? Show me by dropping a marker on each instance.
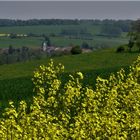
(31, 29)
(15, 79)
(57, 41)
(106, 58)
(17, 43)
(34, 42)
(48, 29)
(61, 41)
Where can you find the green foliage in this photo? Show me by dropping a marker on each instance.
(11, 49)
(35, 32)
(85, 45)
(47, 39)
(120, 49)
(13, 35)
(135, 35)
(136, 26)
(15, 89)
(138, 42)
(111, 31)
(130, 45)
(76, 50)
(72, 111)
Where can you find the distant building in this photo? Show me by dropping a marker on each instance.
(50, 50)
(44, 46)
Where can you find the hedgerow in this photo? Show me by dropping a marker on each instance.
(72, 111)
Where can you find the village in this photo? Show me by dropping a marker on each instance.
(65, 50)
(13, 54)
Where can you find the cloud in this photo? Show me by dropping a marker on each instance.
(70, 9)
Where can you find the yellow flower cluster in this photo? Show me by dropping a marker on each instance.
(71, 111)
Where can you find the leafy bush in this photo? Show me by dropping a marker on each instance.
(13, 35)
(76, 50)
(120, 49)
(74, 111)
(85, 45)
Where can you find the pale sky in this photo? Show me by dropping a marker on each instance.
(70, 9)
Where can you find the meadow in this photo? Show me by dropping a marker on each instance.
(54, 31)
(15, 79)
(16, 84)
(48, 29)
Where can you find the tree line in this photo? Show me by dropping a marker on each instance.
(134, 38)
(123, 24)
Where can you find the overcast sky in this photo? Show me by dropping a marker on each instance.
(70, 9)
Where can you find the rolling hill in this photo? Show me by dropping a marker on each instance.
(15, 79)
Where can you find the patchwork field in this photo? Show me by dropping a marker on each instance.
(20, 56)
(54, 32)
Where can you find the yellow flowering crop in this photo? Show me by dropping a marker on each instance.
(71, 111)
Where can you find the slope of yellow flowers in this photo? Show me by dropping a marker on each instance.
(71, 111)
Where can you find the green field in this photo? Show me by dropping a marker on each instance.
(17, 43)
(61, 41)
(15, 79)
(34, 42)
(111, 106)
(47, 29)
(57, 41)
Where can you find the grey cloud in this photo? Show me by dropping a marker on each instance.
(70, 9)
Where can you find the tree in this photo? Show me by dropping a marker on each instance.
(111, 31)
(6, 56)
(130, 45)
(13, 36)
(138, 42)
(135, 34)
(47, 40)
(85, 45)
(11, 49)
(76, 50)
(120, 49)
(24, 53)
(136, 26)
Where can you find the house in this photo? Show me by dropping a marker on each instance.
(50, 49)
(44, 46)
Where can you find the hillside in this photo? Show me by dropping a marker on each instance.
(15, 79)
(60, 35)
(106, 59)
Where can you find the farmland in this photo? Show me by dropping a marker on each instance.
(54, 32)
(22, 52)
(69, 70)
(15, 79)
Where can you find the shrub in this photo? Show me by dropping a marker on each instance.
(73, 111)
(13, 36)
(76, 50)
(85, 45)
(120, 49)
